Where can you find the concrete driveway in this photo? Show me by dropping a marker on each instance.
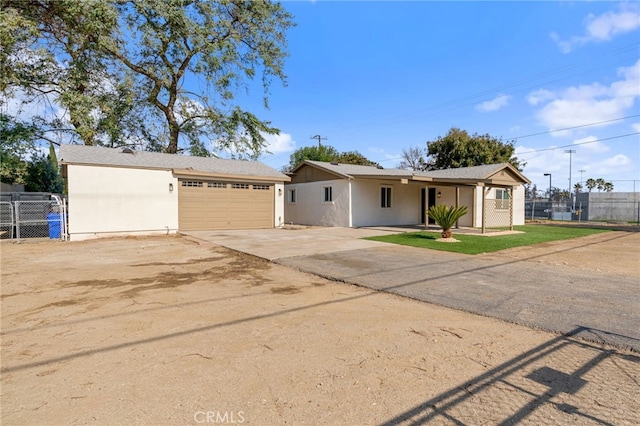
(605, 307)
(279, 243)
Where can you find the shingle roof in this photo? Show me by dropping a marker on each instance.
(356, 170)
(474, 173)
(101, 156)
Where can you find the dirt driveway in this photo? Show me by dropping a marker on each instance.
(166, 331)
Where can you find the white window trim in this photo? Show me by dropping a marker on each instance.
(324, 192)
(390, 198)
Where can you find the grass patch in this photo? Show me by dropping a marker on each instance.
(473, 244)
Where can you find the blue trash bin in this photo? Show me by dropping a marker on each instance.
(54, 225)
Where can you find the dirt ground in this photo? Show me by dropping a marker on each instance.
(166, 331)
(614, 252)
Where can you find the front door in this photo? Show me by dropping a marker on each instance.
(432, 202)
(423, 205)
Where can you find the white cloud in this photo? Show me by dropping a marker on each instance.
(589, 103)
(591, 144)
(636, 127)
(281, 143)
(494, 104)
(538, 96)
(602, 27)
(618, 160)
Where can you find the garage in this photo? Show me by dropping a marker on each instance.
(217, 204)
(123, 192)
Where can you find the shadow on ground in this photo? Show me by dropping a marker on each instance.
(554, 384)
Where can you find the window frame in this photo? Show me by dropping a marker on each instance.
(386, 196)
(327, 190)
(292, 196)
(500, 201)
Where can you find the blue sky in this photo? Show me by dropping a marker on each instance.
(378, 77)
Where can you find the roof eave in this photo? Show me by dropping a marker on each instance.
(256, 178)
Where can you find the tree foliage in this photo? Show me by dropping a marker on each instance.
(16, 145)
(459, 149)
(328, 154)
(42, 175)
(121, 67)
(600, 184)
(414, 158)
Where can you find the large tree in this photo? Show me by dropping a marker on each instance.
(460, 149)
(326, 153)
(16, 147)
(414, 158)
(184, 59)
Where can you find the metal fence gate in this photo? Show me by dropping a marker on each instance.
(34, 219)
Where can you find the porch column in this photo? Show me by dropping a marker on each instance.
(457, 202)
(426, 206)
(510, 192)
(485, 191)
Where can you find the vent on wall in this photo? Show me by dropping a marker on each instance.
(127, 151)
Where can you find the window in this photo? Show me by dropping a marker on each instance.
(292, 196)
(385, 197)
(502, 199)
(240, 186)
(327, 194)
(194, 183)
(216, 185)
(261, 187)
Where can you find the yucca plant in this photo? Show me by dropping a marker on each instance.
(446, 217)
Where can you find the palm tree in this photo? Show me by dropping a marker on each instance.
(577, 188)
(591, 183)
(608, 186)
(446, 217)
(600, 182)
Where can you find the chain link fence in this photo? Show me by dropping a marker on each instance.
(7, 223)
(33, 219)
(585, 210)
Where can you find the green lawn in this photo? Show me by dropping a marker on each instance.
(473, 244)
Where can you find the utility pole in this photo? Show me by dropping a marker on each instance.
(573, 199)
(581, 172)
(320, 138)
(570, 152)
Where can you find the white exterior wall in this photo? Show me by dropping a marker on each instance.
(280, 197)
(448, 198)
(405, 203)
(518, 205)
(111, 201)
(310, 209)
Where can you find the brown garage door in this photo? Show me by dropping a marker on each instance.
(206, 204)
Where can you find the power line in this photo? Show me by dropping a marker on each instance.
(543, 149)
(319, 138)
(579, 143)
(464, 101)
(577, 127)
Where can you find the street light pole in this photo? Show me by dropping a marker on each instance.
(550, 201)
(570, 152)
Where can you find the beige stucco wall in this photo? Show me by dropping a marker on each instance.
(280, 197)
(501, 218)
(111, 201)
(405, 203)
(448, 198)
(310, 209)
